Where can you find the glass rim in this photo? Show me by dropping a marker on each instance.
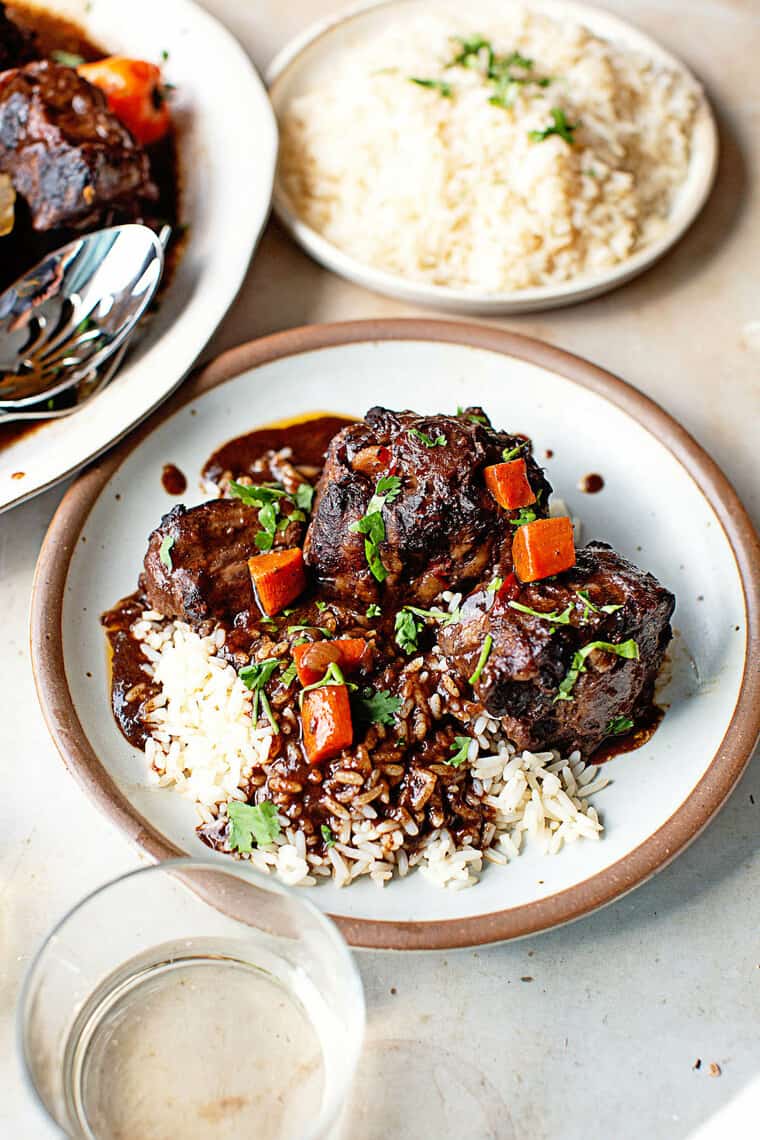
(330, 1108)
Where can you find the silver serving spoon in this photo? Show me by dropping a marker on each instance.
(73, 310)
(87, 389)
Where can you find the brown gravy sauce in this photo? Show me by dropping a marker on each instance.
(130, 685)
(173, 481)
(641, 735)
(591, 484)
(308, 438)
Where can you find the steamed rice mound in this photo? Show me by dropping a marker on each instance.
(453, 191)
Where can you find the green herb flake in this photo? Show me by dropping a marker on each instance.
(333, 676)
(485, 653)
(252, 823)
(67, 58)
(302, 628)
(289, 675)
(590, 608)
(164, 552)
(439, 441)
(321, 606)
(375, 706)
(304, 496)
(255, 676)
(510, 453)
(559, 126)
(164, 55)
(373, 610)
(439, 85)
(550, 615)
(472, 417)
(495, 584)
(371, 525)
(524, 515)
(327, 835)
(460, 747)
(407, 630)
(618, 726)
(626, 649)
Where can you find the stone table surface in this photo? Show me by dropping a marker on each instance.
(591, 1031)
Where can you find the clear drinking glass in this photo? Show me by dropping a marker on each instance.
(193, 999)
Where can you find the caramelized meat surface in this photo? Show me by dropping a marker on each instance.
(442, 529)
(531, 656)
(196, 565)
(67, 155)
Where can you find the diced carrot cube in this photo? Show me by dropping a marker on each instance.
(508, 483)
(543, 548)
(326, 722)
(313, 658)
(278, 578)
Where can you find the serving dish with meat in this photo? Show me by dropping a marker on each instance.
(113, 113)
(415, 659)
(662, 507)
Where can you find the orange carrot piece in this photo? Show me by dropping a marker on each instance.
(278, 578)
(313, 658)
(543, 548)
(508, 483)
(135, 92)
(326, 722)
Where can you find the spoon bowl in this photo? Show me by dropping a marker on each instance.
(73, 310)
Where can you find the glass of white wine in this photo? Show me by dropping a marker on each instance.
(197, 999)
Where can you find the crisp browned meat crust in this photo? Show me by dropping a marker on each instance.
(204, 572)
(442, 530)
(66, 154)
(531, 656)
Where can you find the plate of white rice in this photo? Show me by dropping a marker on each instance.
(567, 836)
(500, 158)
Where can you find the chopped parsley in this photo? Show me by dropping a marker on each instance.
(469, 53)
(439, 85)
(304, 496)
(439, 441)
(472, 417)
(268, 498)
(510, 453)
(252, 823)
(376, 706)
(164, 552)
(372, 525)
(321, 606)
(558, 126)
(333, 676)
(67, 58)
(411, 619)
(590, 608)
(255, 677)
(485, 653)
(373, 610)
(495, 584)
(320, 629)
(627, 649)
(289, 674)
(460, 748)
(548, 615)
(327, 835)
(618, 726)
(523, 516)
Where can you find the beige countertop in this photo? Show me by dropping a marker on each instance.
(591, 1031)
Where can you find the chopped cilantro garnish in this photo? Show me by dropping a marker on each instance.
(618, 726)
(460, 748)
(289, 674)
(559, 126)
(471, 416)
(495, 584)
(333, 676)
(320, 628)
(304, 496)
(469, 53)
(67, 58)
(255, 677)
(268, 498)
(375, 706)
(590, 608)
(252, 823)
(164, 551)
(373, 610)
(258, 494)
(439, 85)
(321, 606)
(485, 653)
(410, 620)
(523, 516)
(628, 649)
(327, 835)
(550, 615)
(371, 525)
(510, 453)
(439, 441)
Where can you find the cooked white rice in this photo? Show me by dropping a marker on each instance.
(204, 745)
(452, 191)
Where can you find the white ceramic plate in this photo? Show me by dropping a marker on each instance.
(665, 505)
(298, 68)
(228, 151)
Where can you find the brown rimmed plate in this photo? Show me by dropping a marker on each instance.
(665, 504)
